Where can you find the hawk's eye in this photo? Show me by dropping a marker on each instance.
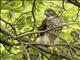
(46, 13)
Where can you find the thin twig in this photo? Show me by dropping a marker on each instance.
(75, 2)
(9, 25)
(33, 11)
(17, 19)
(77, 14)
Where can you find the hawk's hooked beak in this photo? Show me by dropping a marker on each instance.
(46, 14)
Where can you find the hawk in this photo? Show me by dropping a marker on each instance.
(52, 20)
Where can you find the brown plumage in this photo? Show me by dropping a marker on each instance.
(51, 20)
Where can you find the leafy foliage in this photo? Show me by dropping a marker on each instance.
(22, 18)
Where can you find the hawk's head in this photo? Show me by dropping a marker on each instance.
(50, 12)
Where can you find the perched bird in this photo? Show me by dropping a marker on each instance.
(52, 20)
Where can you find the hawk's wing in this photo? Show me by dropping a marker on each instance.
(43, 37)
(43, 26)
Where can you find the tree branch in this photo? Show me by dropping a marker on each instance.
(33, 10)
(75, 2)
(6, 31)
